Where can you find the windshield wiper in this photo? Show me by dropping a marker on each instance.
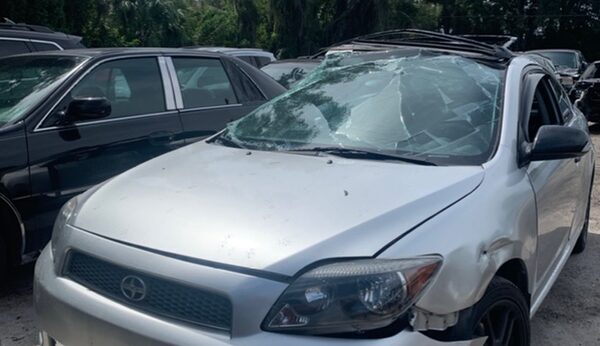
(365, 154)
(221, 139)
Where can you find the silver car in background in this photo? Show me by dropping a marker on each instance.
(402, 196)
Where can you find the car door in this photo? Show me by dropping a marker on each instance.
(552, 180)
(211, 94)
(67, 159)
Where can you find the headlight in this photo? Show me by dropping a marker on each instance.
(351, 296)
(63, 218)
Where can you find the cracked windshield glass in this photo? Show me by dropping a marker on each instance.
(435, 107)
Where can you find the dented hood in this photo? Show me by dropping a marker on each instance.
(266, 210)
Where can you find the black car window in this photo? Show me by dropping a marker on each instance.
(591, 72)
(40, 46)
(9, 47)
(249, 59)
(133, 87)
(263, 60)
(543, 111)
(246, 89)
(563, 100)
(203, 82)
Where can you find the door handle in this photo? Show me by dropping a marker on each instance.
(577, 159)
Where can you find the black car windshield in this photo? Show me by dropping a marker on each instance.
(562, 60)
(289, 73)
(26, 80)
(437, 107)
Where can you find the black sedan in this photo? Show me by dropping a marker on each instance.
(70, 120)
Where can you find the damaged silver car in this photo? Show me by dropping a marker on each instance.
(402, 195)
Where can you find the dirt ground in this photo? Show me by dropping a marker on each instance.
(570, 315)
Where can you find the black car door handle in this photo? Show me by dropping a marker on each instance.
(577, 159)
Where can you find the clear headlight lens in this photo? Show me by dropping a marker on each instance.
(64, 216)
(351, 296)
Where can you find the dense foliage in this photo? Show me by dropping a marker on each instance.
(300, 27)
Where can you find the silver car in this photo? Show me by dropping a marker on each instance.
(404, 196)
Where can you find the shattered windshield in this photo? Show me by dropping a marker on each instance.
(444, 108)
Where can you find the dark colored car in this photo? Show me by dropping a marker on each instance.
(23, 38)
(291, 71)
(70, 120)
(586, 92)
(569, 63)
(253, 56)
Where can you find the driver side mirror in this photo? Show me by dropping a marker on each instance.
(555, 142)
(88, 108)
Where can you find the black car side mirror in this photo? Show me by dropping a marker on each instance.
(555, 142)
(88, 108)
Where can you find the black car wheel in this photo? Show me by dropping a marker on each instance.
(582, 240)
(3, 263)
(502, 315)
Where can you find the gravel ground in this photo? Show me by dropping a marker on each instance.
(570, 315)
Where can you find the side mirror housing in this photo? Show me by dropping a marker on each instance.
(554, 142)
(88, 108)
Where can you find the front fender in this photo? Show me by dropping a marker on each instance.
(476, 236)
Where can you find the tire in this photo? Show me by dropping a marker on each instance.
(3, 263)
(502, 302)
(583, 236)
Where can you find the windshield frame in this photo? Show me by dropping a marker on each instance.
(58, 82)
(440, 159)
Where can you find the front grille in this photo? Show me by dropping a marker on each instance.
(158, 296)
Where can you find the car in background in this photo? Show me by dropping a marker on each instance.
(586, 92)
(74, 118)
(253, 56)
(24, 38)
(506, 41)
(569, 63)
(426, 192)
(288, 72)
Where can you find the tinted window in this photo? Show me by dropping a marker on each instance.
(203, 83)
(8, 47)
(26, 81)
(437, 107)
(262, 61)
(39, 46)
(133, 87)
(249, 59)
(563, 99)
(542, 112)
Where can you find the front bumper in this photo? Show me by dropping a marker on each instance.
(70, 314)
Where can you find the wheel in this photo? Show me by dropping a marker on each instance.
(582, 240)
(502, 315)
(3, 263)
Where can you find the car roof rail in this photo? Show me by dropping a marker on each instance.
(10, 25)
(427, 39)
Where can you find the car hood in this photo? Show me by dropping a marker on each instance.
(269, 211)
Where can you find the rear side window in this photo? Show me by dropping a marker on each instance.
(9, 47)
(133, 87)
(40, 46)
(246, 89)
(262, 61)
(203, 83)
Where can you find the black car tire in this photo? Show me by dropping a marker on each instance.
(501, 302)
(582, 240)
(3, 263)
